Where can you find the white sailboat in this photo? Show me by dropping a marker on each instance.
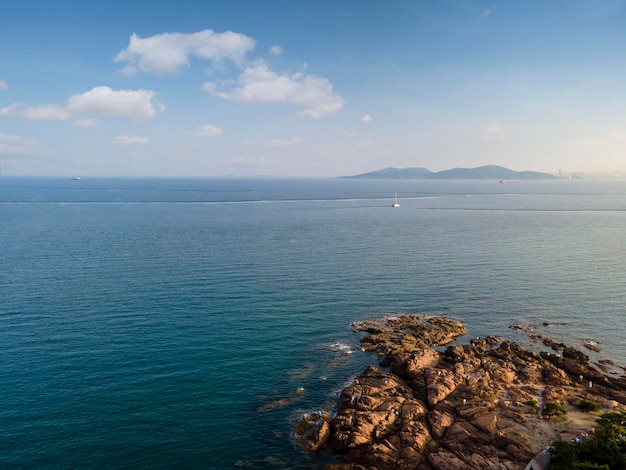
(395, 203)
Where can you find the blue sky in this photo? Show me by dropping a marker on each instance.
(303, 88)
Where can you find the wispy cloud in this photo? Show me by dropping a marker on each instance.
(15, 145)
(207, 131)
(86, 123)
(130, 140)
(259, 84)
(366, 119)
(10, 110)
(167, 53)
(46, 112)
(275, 50)
(495, 131)
(488, 11)
(273, 143)
(4, 85)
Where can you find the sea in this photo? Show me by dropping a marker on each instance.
(187, 323)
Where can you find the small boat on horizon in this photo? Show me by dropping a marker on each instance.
(396, 204)
(508, 182)
(76, 178)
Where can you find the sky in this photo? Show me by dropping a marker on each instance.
(299, 88)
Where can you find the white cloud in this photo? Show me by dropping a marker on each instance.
(130, 140)
(275, 50)
(86, 123)
(46, 112)
(495, 131)
(259, 84)
(103, 101)
(274, 143)
(4, 85)
(351, 133)
(168, 52)
(365, 143)
(366, 119)
(15, 145)
(207, 131)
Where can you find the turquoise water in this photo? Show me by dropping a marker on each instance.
(144, 323)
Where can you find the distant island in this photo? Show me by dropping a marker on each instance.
(480, 173)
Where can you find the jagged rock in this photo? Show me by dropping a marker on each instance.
(592, 345)
(486, 422)
(575, 354)
(440, 383)
(426, 358)
(312, 431)
(470, 407)
(440, 421)
(552, 343)
(555, 376)
(408, 333)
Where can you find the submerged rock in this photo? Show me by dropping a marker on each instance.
(474, 406)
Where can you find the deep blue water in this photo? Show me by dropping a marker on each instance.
(145, 322)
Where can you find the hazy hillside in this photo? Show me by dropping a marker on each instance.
(396, 173)
(482, 172)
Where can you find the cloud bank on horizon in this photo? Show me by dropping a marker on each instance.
(323, 89)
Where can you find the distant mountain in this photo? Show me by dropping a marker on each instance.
(396, 174)
(482, 172)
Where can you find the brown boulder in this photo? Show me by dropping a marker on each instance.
(440, 421)
(440, 383)
(486, 422)
(417, 361)
(312, 431)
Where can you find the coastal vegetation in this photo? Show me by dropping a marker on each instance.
(604, 450)
(554, 410)
(589, 405)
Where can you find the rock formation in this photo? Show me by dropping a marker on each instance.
(473, 406)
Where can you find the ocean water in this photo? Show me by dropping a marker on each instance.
(188, 323)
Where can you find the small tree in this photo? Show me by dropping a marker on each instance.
(554, 410)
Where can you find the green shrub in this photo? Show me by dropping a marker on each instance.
(534, 403)
(589, 466)
(554, 410)
(589, 405)
(604, 450)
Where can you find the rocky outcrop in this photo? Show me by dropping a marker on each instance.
(473, 406)
(312, 431)
(408, 333)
